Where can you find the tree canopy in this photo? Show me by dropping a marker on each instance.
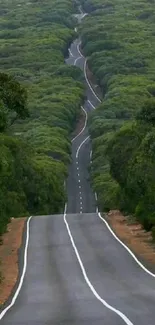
(40, 99)
(118, 40)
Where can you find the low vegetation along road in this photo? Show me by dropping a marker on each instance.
(75, 270)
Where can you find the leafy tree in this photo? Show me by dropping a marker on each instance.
(13, 98)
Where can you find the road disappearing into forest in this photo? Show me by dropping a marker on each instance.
(74, 271)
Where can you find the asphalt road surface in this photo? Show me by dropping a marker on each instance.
(77, 273)
(81, 199)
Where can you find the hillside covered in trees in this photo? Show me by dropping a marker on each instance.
(40, 100)
(118, 37)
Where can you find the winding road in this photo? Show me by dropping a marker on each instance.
(74, 270)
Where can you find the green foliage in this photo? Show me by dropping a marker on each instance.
(40, 99)
(118, 39)
(13, 99)
(147, 112)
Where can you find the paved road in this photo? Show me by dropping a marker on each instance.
(77, 273)
(54, 289)
(80, 196)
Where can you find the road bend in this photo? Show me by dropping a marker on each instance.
(73, 270)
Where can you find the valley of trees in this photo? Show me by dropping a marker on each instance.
(40, 100)
(118, 37)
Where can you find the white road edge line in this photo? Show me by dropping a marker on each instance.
(77, 60)
(85, 74)
(118, 312)
(81, 12)
(126, 247)
(78, 49)
(70, 52)
(23, 272)
(85, 124)
(97, 211)
(91, 104)
(77, 153)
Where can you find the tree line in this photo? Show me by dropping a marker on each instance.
(118, 39)
(40, 98)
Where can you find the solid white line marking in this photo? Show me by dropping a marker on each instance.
(126, 247)
(118, 312)
(84, 15)
(91, 104)
(81, 12)
(23, 272)
(89, 82)
(65, 209)
(77, 153)
(77, 60)
(78, 49)
(85, 124)
(70, 52)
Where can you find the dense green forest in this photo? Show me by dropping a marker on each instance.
(118, 37)
(39, 105)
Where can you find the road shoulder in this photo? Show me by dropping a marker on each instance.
(9, 259)
(134, 236)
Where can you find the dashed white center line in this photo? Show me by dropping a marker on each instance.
(81, 203)
(79, 181)
(78, 174)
